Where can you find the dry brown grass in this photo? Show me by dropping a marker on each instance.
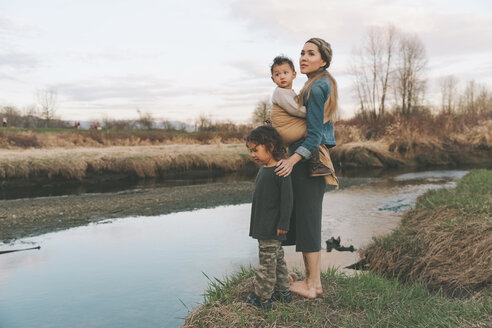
(418, 140)
(450, 251)
(140, 161)
(14, 139)
(445, 243)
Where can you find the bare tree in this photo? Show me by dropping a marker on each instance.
(484, 100)
(262, 112)
(410, 81)
(203, 123)
(390, 40)
(31, 116)
(145, 120)
(448, 85)
(47, 99)
(167, 125)
(476, 99)
(12, 115)
(373, 69)
(470, 97)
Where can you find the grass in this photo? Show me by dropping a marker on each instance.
(137, 161)
(445, 242)
(363, 300)
(17, 138)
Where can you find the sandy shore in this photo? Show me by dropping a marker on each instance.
(29, 217)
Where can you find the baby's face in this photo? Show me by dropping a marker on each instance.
(283, 75)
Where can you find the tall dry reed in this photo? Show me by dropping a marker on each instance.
(139, 161)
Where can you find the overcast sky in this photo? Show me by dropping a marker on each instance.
(181, 59)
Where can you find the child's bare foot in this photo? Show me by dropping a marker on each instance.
(302, 288)
(292, 277)
(319, 290)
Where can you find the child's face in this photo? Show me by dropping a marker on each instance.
(260, 153)
(283, 75)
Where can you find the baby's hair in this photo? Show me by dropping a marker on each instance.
(267, 136)
(279, 60)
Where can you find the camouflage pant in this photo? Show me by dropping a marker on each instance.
(272, 273)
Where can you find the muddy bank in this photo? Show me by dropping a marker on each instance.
(28, 217)
(385, 154)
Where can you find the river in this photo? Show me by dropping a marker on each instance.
(149, 271)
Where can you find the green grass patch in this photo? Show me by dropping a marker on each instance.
(473, 194)
(364, 300)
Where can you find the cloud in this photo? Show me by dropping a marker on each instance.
(344, 24)
(9, 25)
(15, 61)
(252, 68)
(135, 88)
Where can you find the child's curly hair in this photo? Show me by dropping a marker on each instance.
(279, 60)
(267, 136)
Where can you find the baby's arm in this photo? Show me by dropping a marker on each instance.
(284, 98)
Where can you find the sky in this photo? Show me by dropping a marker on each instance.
(179, 60)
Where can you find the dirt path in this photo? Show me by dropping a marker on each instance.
(29, 217)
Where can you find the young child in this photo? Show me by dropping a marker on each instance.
(284, 97)
(270, 218)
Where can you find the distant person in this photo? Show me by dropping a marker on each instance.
(319, 95)
(270, 217)
(78, 125)
(290, 117)
(4, 122)
(95, 125)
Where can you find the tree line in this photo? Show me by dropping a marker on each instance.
(389, 72)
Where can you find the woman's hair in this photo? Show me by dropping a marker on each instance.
(331, 103)
(267, 136)
(279, 60)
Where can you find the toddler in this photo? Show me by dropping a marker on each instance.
(284, 97)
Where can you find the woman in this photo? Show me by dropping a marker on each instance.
(319, 95)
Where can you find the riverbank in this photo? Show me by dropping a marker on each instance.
(58, 166)
(21, 166)
(445, 242)
(29, 217)
(448, 250)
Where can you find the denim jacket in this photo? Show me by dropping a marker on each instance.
(317, 132)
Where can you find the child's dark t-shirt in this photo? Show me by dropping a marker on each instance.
(272, 205)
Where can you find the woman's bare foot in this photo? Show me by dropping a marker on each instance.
(303, 289)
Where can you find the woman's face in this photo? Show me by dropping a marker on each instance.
(310, 60)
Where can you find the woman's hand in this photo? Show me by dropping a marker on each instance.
(284, 166)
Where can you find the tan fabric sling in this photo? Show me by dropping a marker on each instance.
(292, 128)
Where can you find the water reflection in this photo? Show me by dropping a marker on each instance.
(133, 272)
